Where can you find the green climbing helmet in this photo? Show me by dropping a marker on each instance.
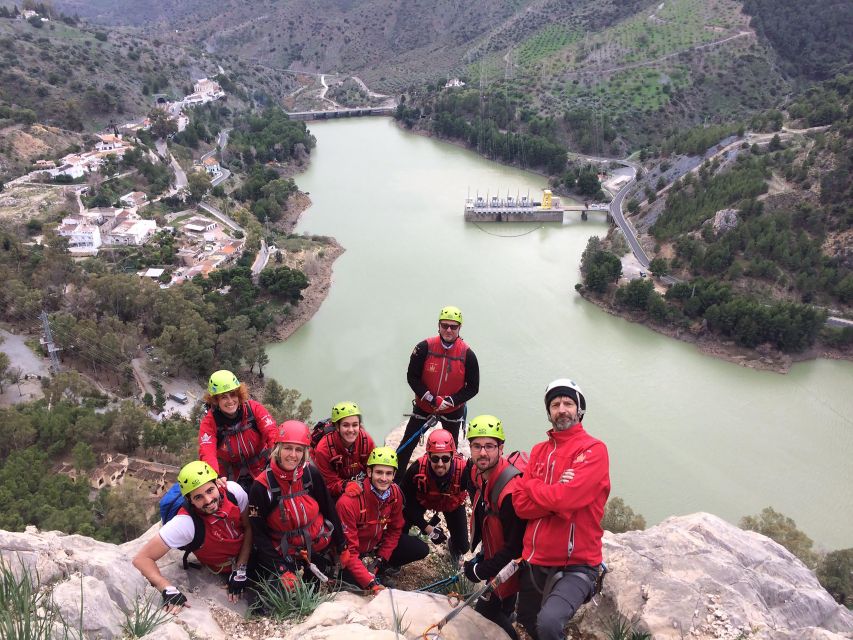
(195, 474)
(345, 410)
(222, 381)
(450, 313)
(486, 426)
(382, 455)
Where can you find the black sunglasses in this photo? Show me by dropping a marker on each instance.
(445, 327)
(437, 459)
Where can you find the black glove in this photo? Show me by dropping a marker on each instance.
(470, 569)
(237, 581)
(438, 536)
(171, 596)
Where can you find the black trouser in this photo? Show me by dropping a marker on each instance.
(409, 549)
(545, 605)
(498, 611)
(450, 421)
(457, 527)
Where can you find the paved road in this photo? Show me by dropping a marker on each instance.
(216, 213)
(180, 174)
(261, 260)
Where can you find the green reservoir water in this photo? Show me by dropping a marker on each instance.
(685, 432)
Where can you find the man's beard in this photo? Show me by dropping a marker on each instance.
(563, 423)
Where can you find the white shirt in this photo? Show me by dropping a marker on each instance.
(180, 530)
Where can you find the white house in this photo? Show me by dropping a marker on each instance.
(131, 231)
(73, 170)
(83, 237)
(454, 82)
(212, 166)
(109, 142)
(134, 199)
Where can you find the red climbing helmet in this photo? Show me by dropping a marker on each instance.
(294, 432)
(440, 441)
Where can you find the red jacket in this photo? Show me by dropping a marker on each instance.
(564, 525)
(371, 526)
(296, 521)
(443, 372)
(494, 537)
(338, 464)
(427, 492)
(245, 450)
(223, 536)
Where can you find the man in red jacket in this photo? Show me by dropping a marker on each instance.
(224, 546)
(444, 374)
(562, 495)
(373, 525)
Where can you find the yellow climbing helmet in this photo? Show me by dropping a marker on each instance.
(195, 474)
(450, 313)
(222, 381)
(345, 410)
(382, 455)
(486, 426)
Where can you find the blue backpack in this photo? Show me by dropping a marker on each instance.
(170, 503)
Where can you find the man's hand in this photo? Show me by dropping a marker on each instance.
(428, 397)
(446, 403)
(437, 535)
(344, 557)
(376, 565)
(566, 476)
(470, 569)
(173, 600)
(374, 587)
(222, 483)
(353, 489)
(236, 583)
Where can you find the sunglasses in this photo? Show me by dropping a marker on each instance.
(449, 327)
(437, 459)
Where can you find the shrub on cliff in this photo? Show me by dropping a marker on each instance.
(783, 530)
(619, 517)
(835, 573)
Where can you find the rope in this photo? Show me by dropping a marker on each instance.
(498, 235)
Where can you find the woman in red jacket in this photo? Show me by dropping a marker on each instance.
(236, 434)
(293, 518)
(341, 455)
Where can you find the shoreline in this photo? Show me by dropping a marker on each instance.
(764, 358)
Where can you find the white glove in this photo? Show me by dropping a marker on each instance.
(447, 403)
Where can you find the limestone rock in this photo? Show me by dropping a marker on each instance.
(725, 220)
(700, 577)
(168, 631)
(374, 618)
(101, 617)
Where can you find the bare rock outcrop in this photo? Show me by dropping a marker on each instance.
(695, 577)
(700, 577)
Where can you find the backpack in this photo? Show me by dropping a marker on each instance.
(170, 504)
(321, 429)
(517, 464)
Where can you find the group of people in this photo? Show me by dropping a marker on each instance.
(268, 502)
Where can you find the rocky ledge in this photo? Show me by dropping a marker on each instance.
(693, 576)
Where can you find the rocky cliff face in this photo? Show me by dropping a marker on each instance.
(689, 577)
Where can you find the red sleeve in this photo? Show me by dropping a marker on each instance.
(322, 460)
(207, 441)
(535, 499)
(348, 510)
(265, 423)
(394, 528)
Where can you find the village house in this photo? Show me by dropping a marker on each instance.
(212, 166)
(84, 237)
(198, 225)
(127, 228)
(44, 164)
(206, 85)
(109, 142)
(26, 14)
(134, 199)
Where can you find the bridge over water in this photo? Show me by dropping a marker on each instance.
(342, 113)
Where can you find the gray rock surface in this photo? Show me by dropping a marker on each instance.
(700, 577)
(695, 577)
